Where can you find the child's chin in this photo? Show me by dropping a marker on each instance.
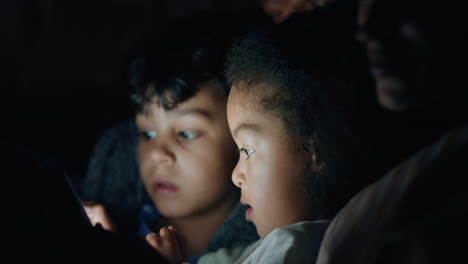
(169, 212)
(262, 233)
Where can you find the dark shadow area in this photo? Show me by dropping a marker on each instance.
(47, 223)
(64, 69)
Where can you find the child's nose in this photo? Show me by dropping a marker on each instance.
(238, 177)
(160, 153)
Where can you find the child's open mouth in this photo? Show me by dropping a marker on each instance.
(164, 187)
(248, 213)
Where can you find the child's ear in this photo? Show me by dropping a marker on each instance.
(316, 162)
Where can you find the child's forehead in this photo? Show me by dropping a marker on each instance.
(207, 112)
(203, 105)
(248, 108)
(254, 93)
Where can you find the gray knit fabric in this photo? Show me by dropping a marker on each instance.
(113, 176)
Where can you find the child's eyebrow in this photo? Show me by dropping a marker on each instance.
(248, 127)
(193, 111)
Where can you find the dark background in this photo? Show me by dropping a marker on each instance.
(63, 68)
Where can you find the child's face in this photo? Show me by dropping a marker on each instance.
(270, 171)
(186, 154)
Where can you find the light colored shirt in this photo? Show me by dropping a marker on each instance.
(296, 243)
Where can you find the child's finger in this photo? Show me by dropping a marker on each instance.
(153, 239)
(174, 232)
(169, 234)
(181, 241)
(165, 232)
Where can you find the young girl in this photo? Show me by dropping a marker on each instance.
(304, 148)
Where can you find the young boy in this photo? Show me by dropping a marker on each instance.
(292, 114)
(185, 151)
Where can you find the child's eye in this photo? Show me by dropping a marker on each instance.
(247, 152)
(188, 134)
(148, 134)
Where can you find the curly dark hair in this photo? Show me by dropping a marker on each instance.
(309, 72)
(184, 54)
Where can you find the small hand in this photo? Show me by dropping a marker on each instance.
(170, 244)
(97, 214)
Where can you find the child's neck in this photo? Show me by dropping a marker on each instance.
(198, 230)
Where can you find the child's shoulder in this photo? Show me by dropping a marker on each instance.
(301, 232)
(296, 243)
